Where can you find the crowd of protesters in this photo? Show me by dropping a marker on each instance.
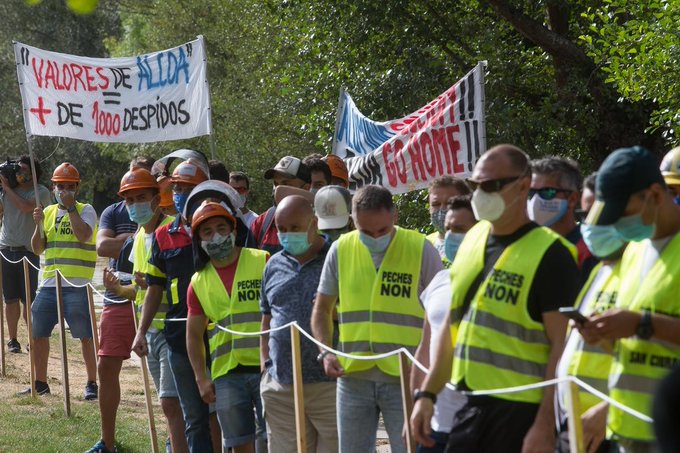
(484, 302)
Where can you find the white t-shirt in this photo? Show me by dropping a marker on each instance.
(575, 340)
(436, 300)
(248, 217)
(89, 216)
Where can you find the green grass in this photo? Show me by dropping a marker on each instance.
(39, 425)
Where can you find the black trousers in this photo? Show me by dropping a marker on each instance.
(491, 425)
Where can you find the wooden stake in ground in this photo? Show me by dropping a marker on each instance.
(29, 324)
(407, 400)
(2, 329)
(147, 394)
(298, 391)
(62, 340)
(93, 320)
(574, 418)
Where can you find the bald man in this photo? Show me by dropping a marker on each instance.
(509, 279)
(288, 290)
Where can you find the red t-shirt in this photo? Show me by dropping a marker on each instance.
(226, 274)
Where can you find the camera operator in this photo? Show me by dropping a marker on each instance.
(18, 201)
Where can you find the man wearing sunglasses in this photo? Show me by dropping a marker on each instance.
(553, 198)
(508, 280)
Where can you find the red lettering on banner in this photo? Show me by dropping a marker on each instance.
(399, 157)
(416, 162)
(105, 79)
(440, 144)
(67, 76)
(454, 147)
(428, 154)
(77, 76)
(390, 167)
(37, 72)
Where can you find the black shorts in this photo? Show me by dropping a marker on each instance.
(491, 425)
(13, 287)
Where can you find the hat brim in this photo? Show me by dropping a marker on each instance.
(606, 213)
(333, 223)
(282, 192)
(269, 174)
(673, 180)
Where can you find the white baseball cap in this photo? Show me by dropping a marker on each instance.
(333, 205)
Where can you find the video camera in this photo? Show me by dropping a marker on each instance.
(9, 170)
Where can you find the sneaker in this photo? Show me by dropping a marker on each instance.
(91, 393)
(13, 346)
(41, 388)
(100, 447)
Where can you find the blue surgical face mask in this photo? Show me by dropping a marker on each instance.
(57, 195)
(140, 213)
(631, 228)
(296, 243)
(437, 219)
(180, 199)
(602, 240)
(376, 245)
(451, 244)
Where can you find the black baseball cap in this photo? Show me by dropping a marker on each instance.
(624, 172)
(291, 167)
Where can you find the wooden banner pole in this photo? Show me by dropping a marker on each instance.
(147, 393)
(298, 391)
(62, 340)
(407, 400)
(29, 324)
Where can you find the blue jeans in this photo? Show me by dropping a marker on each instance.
(76, 312)
(360, 403)
(197, 426)
(237, 394)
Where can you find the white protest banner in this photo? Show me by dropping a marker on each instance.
(148, 98)
(445, 137)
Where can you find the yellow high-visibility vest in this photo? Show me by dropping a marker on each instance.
(379, 311)
(63, 250)
(141, 257)
(639, 365)
(433, 237)
(588, 362)
(498, 344)
(239, 312)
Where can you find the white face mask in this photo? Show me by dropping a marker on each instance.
(546, 212)
(487, 206)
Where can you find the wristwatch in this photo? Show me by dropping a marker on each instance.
(645, 330)
(71, 209)
(424, 394)
(322, 354)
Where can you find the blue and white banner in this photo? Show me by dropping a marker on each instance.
(445, 137)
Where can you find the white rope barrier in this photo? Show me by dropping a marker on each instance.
(423, 368)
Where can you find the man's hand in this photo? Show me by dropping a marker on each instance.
(38, 216)
(140, 280)
(594, 426)
(420, 422)
(68, 200)
(207, 389)
(140, 345)
(332, 367)
(610, 325)
(539, 439)
(111, 282)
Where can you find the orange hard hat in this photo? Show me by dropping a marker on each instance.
(208, 210)
(139, 178)
(189, 173)
(338, 167)
(165, 188)
(65, 172)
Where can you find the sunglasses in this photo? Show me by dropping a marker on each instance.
(547, 193)
(491, 185)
